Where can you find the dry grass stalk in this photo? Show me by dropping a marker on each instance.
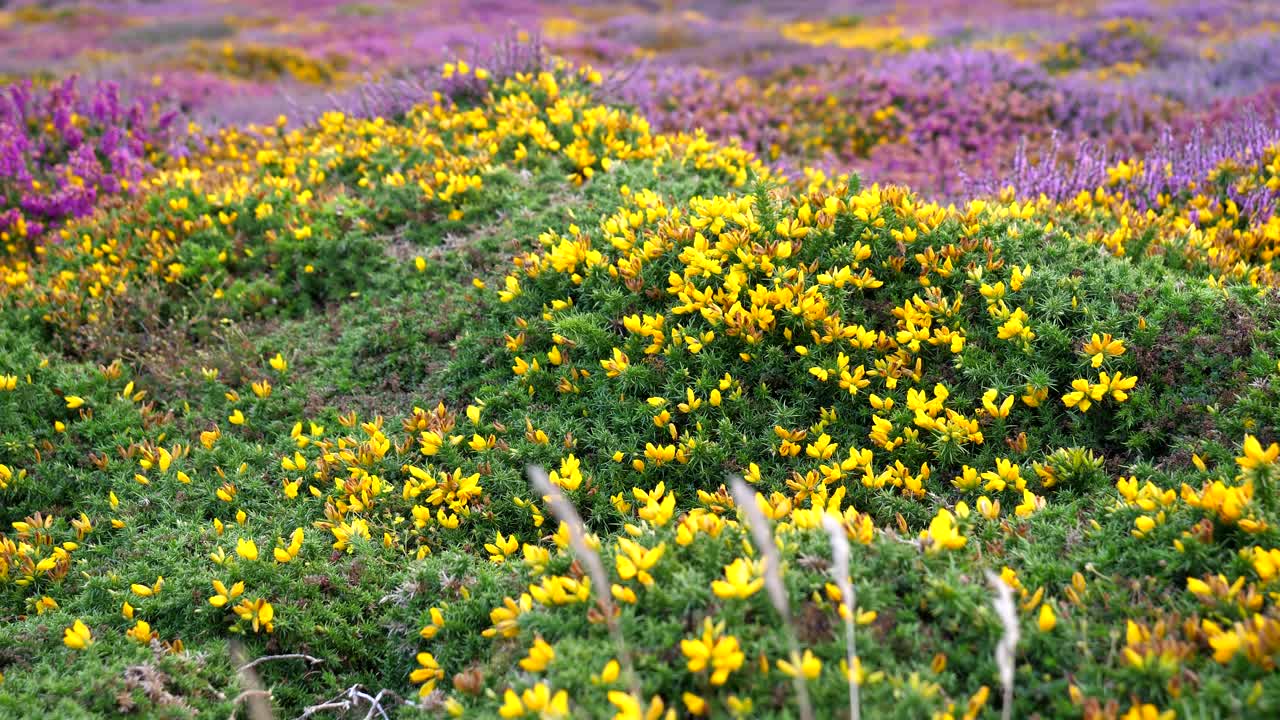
(1007, 647)
(564, 511)
(762, 532)
(840, 572)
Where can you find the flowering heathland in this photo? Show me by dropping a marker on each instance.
(543, 396)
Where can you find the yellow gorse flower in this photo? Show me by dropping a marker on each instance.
(223, 595)
(742, 580)
(78, 636)
(715, 650)
(807, 666)
(427, 674)
(540, 656)
(942, 533)
(258, 613)
(536, 702)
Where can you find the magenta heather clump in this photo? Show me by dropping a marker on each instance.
(65, 147)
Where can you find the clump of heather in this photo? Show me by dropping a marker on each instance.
(919, 118)
(393, 96)
(1179, 163)
(65, 147)
(1238, 70)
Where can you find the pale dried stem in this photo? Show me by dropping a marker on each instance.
(257, 699)
(564, 511)
(352, 698)
(762, 532)
(1007, 647)
(840, 572)
(289, 656)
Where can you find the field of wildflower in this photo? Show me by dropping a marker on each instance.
(531, 359)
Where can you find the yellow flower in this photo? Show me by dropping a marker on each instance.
(1016, 328)
(988, 509)
(1084, 394)
(437, 622)
(858, 674)
(537, 701)
(1034, 395)
(236, 418)
(630, 708)
(502, 547)
(74, 401)
(1255, 456)
(808, 666)
(223, 595)
(144, 591)
(1118, 385)
(1102, 347)
(278, 363)
(289, 552)
(141, 632)
(1047, 620)
(247, 549)
(996, 411)
(569, 476)
(345, 532)
(608, 674)
(740, 707)
(660, 454)
(720, 652)
(427, 673)
(623, 594)
(636, 560)
(741, 581)
(1148, 712)
(226, 492)
(78, 636)
(259, 612)
(942, 533)
(540, 656)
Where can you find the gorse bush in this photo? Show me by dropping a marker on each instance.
(512, 406)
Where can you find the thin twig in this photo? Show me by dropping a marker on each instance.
(376, 706)
(247, 694)
(288, 656)
(329, 705)
(352, 698)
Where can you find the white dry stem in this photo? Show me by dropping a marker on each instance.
(287, 656)
(761, 531)
(564, 511)
(1007, 647)
(257, 699)
(353, 698)
(840, 572)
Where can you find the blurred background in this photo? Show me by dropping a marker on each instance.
(942, 95)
